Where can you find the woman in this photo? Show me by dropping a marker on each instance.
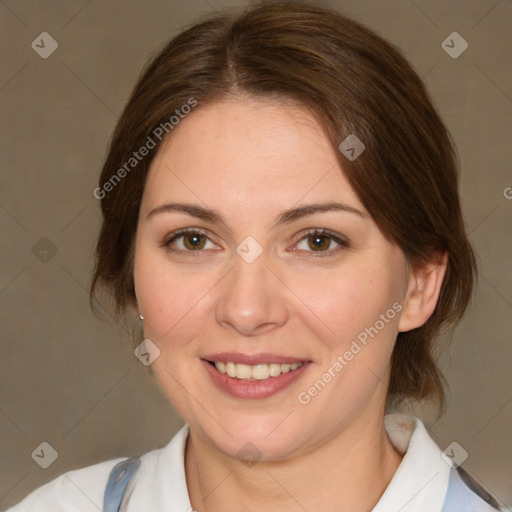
(280, 209)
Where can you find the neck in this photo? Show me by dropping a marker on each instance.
(348, 472)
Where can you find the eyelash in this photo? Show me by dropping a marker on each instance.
(343, 243)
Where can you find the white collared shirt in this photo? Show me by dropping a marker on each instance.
(419, 484)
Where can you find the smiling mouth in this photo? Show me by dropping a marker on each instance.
(253, 372)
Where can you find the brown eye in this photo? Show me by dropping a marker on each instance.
(188, 241)
(319, 242)
(194, 241)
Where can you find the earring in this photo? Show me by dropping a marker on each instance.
(141, 317)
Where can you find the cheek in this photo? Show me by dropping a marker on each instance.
(345, 303)
(356, 321)
(171, 301)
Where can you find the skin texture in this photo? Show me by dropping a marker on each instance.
(251, 160)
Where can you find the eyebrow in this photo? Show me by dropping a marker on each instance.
(286, 217)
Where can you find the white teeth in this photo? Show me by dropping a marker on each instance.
(231, 369)
(274, 369)
(260, 372)
(256, 372)
(243, 371)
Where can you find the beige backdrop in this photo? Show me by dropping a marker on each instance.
(72, 381)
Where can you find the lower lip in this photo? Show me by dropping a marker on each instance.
(253, 389)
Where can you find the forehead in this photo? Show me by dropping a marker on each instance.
(250, 152)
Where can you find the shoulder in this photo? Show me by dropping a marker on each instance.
(80, 490)
(83, 490)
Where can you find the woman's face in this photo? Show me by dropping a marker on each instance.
(267, 275)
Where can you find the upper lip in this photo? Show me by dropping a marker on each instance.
(252, 359)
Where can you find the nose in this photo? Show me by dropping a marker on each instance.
(251, 300)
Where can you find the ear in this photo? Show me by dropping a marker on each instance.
(423, 292)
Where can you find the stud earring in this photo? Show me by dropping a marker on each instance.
(141, 317)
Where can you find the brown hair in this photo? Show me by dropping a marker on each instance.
(356, 83)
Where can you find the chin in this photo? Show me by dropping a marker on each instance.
(266, 438)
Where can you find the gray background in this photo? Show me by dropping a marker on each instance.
(71, 380)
